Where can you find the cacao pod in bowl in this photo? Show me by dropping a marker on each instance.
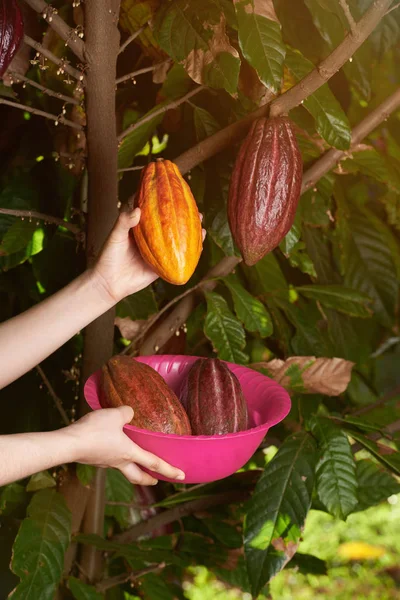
(11, 32)
(169, 234)
(205, 458)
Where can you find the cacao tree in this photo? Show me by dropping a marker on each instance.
(91, 93)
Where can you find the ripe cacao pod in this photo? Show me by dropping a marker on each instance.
(11, 32)
(126, 381)
(213, 399)
(265, 188)
(169, 235)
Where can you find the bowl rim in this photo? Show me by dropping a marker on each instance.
(285, 409)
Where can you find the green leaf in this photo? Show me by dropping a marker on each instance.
(330, 120)
(204, 123)
(134, 141)
(249, 310)
(221, 234)
(153, 587)
(371, 163)
(345, 300)
(389, 457)
(276, 512)
(193, 34)
(308, 564)
(18, 236)
(266, 276)
(118, 489)
(336, 469)
(85, 473)
(40, 481)
(225, 533)
(224, 331)
(140, 305)
(366, 260)
(40, 545)
(11, 496)
(260, 41)
(374, 484)
(83, 591)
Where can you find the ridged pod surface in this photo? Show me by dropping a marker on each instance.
(126, 381)
(213, 399)
(169, 235)
(11, 32)
(265, 188)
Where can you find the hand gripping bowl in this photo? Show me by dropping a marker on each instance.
(206, 458)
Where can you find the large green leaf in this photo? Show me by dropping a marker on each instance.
(389, 457)
(193, 34)
(224, 331)
(40, 481)
(366, 261)
(38, 551)
(260, 41)
(11, 496)
(336, 469)
(153, 587)
(340, 298)
(140, 305)
(276, 513)
(18, 236)
(204, 123)
(83, 591)
(374, 484)
(330, 120)
(370, 162)
(118, 489)
(134, 141)
(221, 234)
(249, 309)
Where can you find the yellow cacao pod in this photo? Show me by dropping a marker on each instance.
(169, 235)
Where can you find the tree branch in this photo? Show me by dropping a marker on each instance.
(111, 582)
(65, 32)
(54, 59)
(160, 111)
(349, 16)
(17, 78)
(131, 38)
(33, 214)
(178, 512)
(385, 398)
(181, 313)
(52, 393)
(392, 428)
(42, 113)
(138, 168)
(393, 8)
(141, 71)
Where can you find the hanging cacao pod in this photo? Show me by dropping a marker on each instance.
(125, 381)
(11, 32)
(265, 188)
(213, 399)
(169, 235)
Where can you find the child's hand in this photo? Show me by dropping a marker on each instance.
(120, 267)
(99, 440)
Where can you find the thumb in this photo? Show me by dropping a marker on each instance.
(126, 413)
(125, 222)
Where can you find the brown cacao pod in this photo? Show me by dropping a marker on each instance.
(265, 188)
(11, 32)
(126, 381)
(169, 235)
(213, 399)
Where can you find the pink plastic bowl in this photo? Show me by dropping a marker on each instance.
(206, 458)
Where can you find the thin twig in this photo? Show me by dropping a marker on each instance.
(160, 111)
(349, 16)
(385, 398)
(65, 32)
(17, 78)
(111, 582)
(52, 393)
(140, 71)
(131, 38)
(178, 512)
(33, 214)
(392, 428)
(393, 8)
(54, 59)
(138, 168)
(42, 113)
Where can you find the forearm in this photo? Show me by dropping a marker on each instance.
(24, 454)
(30, 337)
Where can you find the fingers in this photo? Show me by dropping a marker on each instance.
(126, 414)
(157, 465)
(136, 475)
(124, 223)
(203, 234)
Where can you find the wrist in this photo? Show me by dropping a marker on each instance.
(73, 441)
(101, 288)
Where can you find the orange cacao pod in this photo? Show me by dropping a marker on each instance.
(169, 235)
(126, 381)
(265, 188)
(213, 399)
(11, 32)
